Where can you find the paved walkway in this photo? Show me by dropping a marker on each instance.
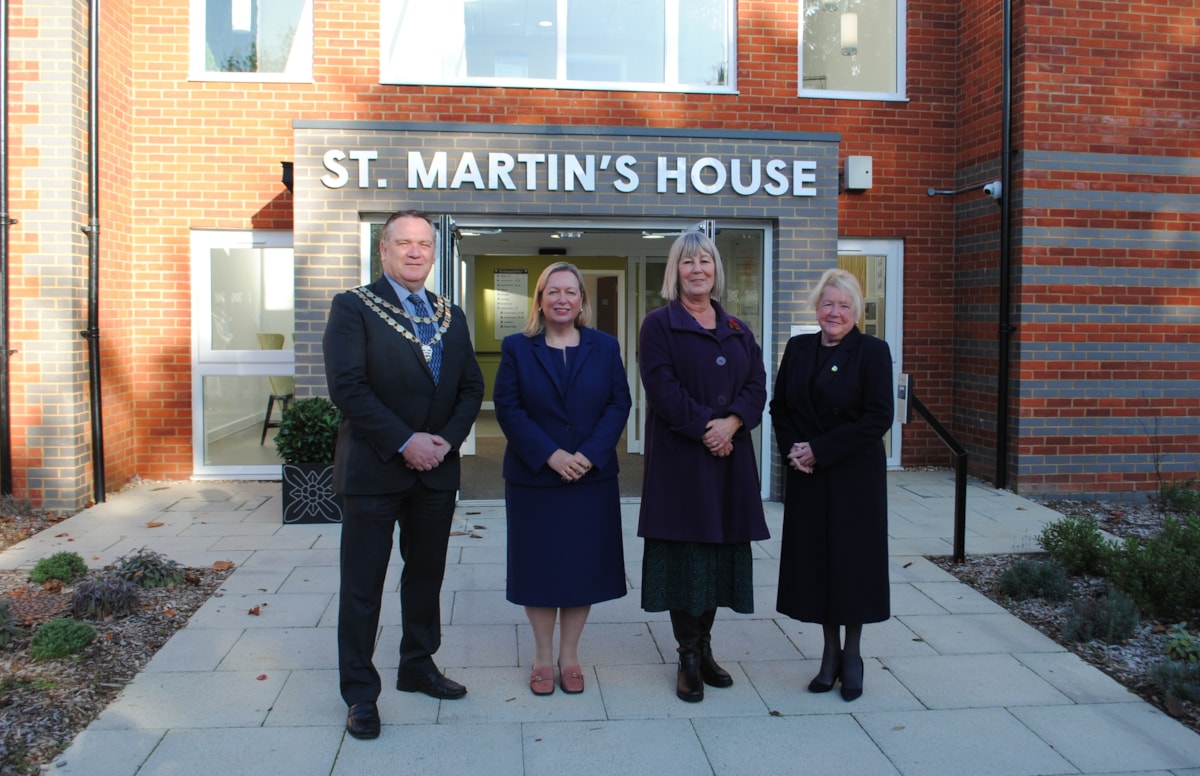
(954, 684)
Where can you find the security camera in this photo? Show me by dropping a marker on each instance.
(992, 189)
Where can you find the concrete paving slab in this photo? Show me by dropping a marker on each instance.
(1079, 681)
(261, 610)
(435, 750)
(648, 692)
(956, 598)
(293, 751)
(267, 650)
(221, 699)
(612, 748)
(980, 742)
(972, 681)
(783, 686)
(202, 649)
(985, 633)
(1116, 736)
(833, 745)
(502, 695)
(108, 752)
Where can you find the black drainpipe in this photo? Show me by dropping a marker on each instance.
(92, 333)
(1005, 317)
(6, 471)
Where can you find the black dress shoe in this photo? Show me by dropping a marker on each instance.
(432, 683)
(362, 721)
(712, 673)
(852, 681)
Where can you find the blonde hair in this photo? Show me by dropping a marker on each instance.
(689, 244)
(536, 323)
(843, 281)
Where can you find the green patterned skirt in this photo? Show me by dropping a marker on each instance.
(696, 577)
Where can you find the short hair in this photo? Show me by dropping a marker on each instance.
(843, 281)
(690, 243)
(408, 214)
(536, 323)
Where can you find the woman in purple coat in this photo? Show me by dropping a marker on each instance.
(701, 505)
(832, 405)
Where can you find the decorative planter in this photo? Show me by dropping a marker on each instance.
(308, 495)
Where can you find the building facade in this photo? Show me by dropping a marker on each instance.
(1016, 184)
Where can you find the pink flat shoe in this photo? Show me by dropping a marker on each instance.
(541, 681)
(572, 679)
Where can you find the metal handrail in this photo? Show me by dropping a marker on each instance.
(960, 465)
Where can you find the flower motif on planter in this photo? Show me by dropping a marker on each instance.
(312, 495)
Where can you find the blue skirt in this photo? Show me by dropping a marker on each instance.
(564, 544)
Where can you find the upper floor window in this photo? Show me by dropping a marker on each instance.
(852, 49)
(659, 45)
(251, 40)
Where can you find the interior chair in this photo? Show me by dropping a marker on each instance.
(282, 388)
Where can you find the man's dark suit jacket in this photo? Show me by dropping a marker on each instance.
(385, 391)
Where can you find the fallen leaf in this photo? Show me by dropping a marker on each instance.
(479, 527)
(458, 533)
(223, 565)
(255, 611)
(59, 536)
(261, 677)
(169, 612)
(154, 524)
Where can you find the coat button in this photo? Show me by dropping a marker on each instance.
(720, 360)
(722, 401)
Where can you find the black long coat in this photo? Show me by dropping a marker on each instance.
(833, 567)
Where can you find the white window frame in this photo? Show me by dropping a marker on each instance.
(900, 95)
(389, 19)
(208, 362)
(300, 63)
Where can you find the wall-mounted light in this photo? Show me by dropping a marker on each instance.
(566, 235)
(849, 34)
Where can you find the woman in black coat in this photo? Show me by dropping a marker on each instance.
(831, 408)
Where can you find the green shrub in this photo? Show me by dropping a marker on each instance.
(63, 566)
(308, 431)
(1181, 497)
(1177, 680)
(111, 596)
(1026, 579)
(1076, 543)
(1111, 618)
(1162, 573)
(8, 625)
(1181, 644)
(60, 637)
(148, 568)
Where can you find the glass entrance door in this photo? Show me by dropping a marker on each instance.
(878, 265)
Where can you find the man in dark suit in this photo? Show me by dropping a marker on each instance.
(401, 369)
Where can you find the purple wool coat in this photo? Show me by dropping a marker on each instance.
(691, 376)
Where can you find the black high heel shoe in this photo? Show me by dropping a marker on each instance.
(852, 686)
(819, 685)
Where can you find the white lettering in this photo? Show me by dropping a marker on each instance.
(802, 173)
(775, 171)
(364, 159)
(531, 161)
(499, 168)
(552, 173)
(584, 174)
(422, 177)
(698, 175)
(629, 178)
(467, 172)
(735, 177)
(665, 174)
(340, 174)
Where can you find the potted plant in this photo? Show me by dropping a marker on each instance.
(306, 439)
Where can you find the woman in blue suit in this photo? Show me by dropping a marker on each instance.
(561, 399)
